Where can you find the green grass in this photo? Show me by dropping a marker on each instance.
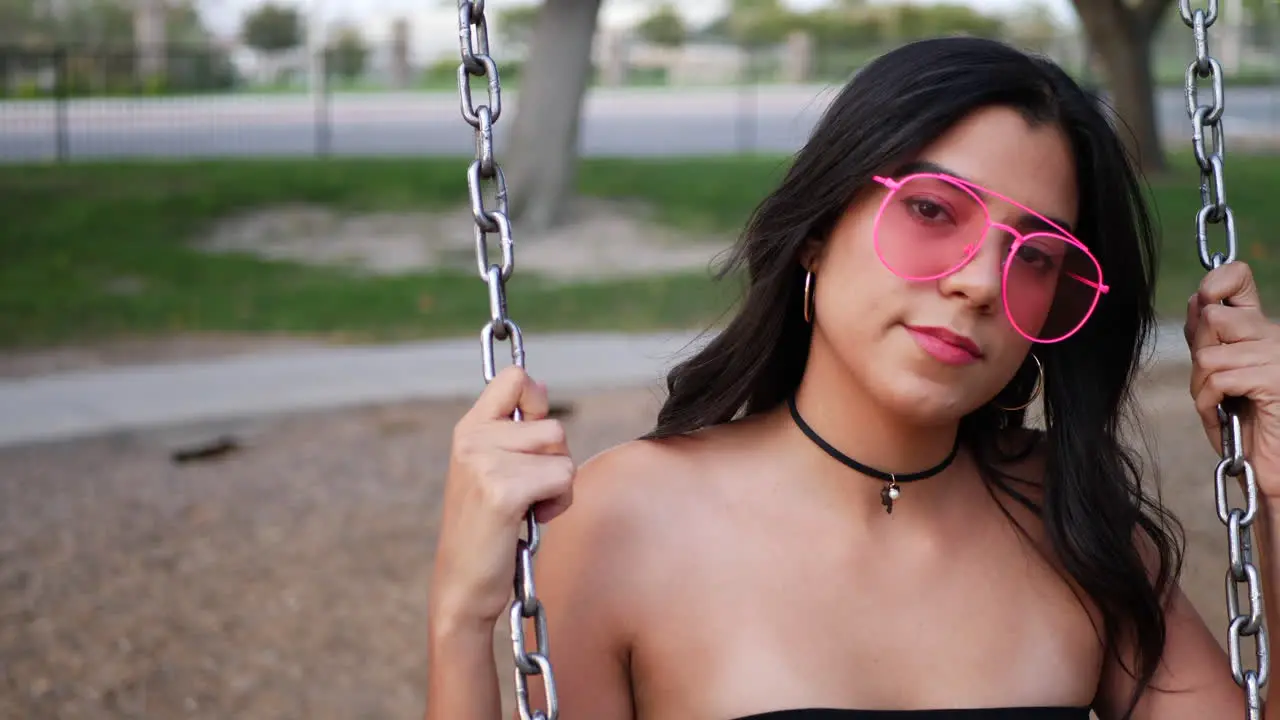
(98, 251)
(1252, 185)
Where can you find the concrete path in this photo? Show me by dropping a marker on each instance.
(76, 404)
(80, 404)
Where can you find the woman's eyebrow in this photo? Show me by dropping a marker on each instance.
(926, 166)
(1039, 223)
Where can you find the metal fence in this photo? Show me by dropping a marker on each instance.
(71, 102)
(68, 103)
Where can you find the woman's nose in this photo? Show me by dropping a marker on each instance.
(979, 279)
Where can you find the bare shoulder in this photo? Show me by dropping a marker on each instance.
(598, 564)
(611, 491)
(626, 512)
(592, 570)
(630, 473)
(629, 494)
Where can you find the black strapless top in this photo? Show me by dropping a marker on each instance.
(1027, 713)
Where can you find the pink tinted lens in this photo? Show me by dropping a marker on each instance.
(1051, 284)
(929, 227)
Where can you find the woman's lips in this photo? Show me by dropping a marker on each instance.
(945, 345)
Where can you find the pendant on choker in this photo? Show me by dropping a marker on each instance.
(889, 494)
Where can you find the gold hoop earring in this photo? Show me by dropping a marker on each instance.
(808, 296)
(1035, 393)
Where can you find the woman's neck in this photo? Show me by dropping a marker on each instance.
(856, 426)
(853, 422)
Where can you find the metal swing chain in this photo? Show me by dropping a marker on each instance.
(1234, 464)
(473, 37)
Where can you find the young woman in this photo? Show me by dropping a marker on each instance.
(840, 506)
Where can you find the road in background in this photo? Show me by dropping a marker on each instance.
(616, 122)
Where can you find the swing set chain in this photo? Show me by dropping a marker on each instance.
(1234, 464)
(473, 39)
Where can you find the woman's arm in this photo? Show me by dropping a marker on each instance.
(1193, 681)
(584, 577)
(462, 680)
(1235, 353)
(581, 578)
(574, 576)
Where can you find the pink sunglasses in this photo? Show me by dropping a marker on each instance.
(930, 225)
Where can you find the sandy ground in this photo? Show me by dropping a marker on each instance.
(288, 578)
(599, 239)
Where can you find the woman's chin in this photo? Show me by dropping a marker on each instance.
(928, 403)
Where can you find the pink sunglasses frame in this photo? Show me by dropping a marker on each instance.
(1019, 238)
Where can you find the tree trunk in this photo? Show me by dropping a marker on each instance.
(1128, 68)
(541, 161)
(1121, 34)
(149, 39)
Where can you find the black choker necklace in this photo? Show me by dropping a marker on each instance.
(891, 490)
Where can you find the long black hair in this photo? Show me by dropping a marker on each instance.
(1114, 541)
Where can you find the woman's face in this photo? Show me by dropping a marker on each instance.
(903, 340)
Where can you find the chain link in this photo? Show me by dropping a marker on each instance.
(1247, 622)
(473, 41)
(1208, 139)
